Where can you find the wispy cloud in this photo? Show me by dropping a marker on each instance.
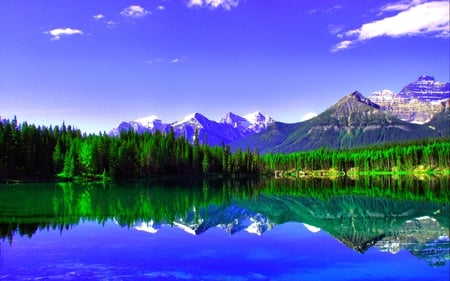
(414, 18)
(335, 29)
(134, 11)
(162, 60)
(226, 4)
(57, 33)
(98, 17)
(341, 46)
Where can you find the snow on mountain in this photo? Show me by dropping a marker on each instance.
(258, 121)
(232, 219)
(308, 116)
(151, 122)
(416, 103)
(426, 89)
(382, 97)
(311, 228)
(150, 227)
(127, 126)
(230, 128)
(235, 120)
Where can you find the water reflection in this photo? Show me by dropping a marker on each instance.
(388, 214)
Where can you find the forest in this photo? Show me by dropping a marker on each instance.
(29, 152)
(428, 155)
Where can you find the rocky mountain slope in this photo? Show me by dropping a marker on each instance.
(418, 102)
(353, 121)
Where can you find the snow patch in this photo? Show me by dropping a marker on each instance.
(311, 228)
(307, 116)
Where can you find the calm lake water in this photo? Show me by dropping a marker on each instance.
(315, 229)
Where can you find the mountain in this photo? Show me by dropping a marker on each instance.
(148, 124)
(418, 102)
(230, 128)
(419, 110)
(353, 121)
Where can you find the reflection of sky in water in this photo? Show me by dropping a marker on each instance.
(288, 252)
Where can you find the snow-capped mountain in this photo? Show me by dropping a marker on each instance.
(147, 124)
(230, 128)
(232, 219)
(418, 102)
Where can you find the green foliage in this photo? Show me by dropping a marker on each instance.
(27, 152)
(30, 152)
(421, 156)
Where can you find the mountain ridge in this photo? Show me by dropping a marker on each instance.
(352, 121)
(419, 110)
(224, 131)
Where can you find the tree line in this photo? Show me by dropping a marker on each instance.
(426, 155)
(30, 152)
(35, 152)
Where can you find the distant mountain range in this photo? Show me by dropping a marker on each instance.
(419, 110)
(230, 128)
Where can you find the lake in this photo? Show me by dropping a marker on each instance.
(288, 229)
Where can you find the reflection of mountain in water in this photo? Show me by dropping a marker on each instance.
(382, 219)
(362, 222)
(357, 221)
(231, 218)
(424, 237)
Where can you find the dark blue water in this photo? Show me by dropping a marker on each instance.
(290, 251)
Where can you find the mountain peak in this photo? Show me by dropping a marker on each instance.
(259, 121)
(193, 117)
(146, 121)
(235, 120)
(253, 117)
(356, 97)
(426, 78)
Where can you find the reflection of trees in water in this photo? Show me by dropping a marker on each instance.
(359, 212)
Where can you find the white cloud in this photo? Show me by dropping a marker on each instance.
(98, 17)
(58, 32)
(341, 45)
(401, 5)
(414, 18)
(161, 7)
(226, 4)
(134, 11)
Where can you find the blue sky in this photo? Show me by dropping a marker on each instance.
(96, 63)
